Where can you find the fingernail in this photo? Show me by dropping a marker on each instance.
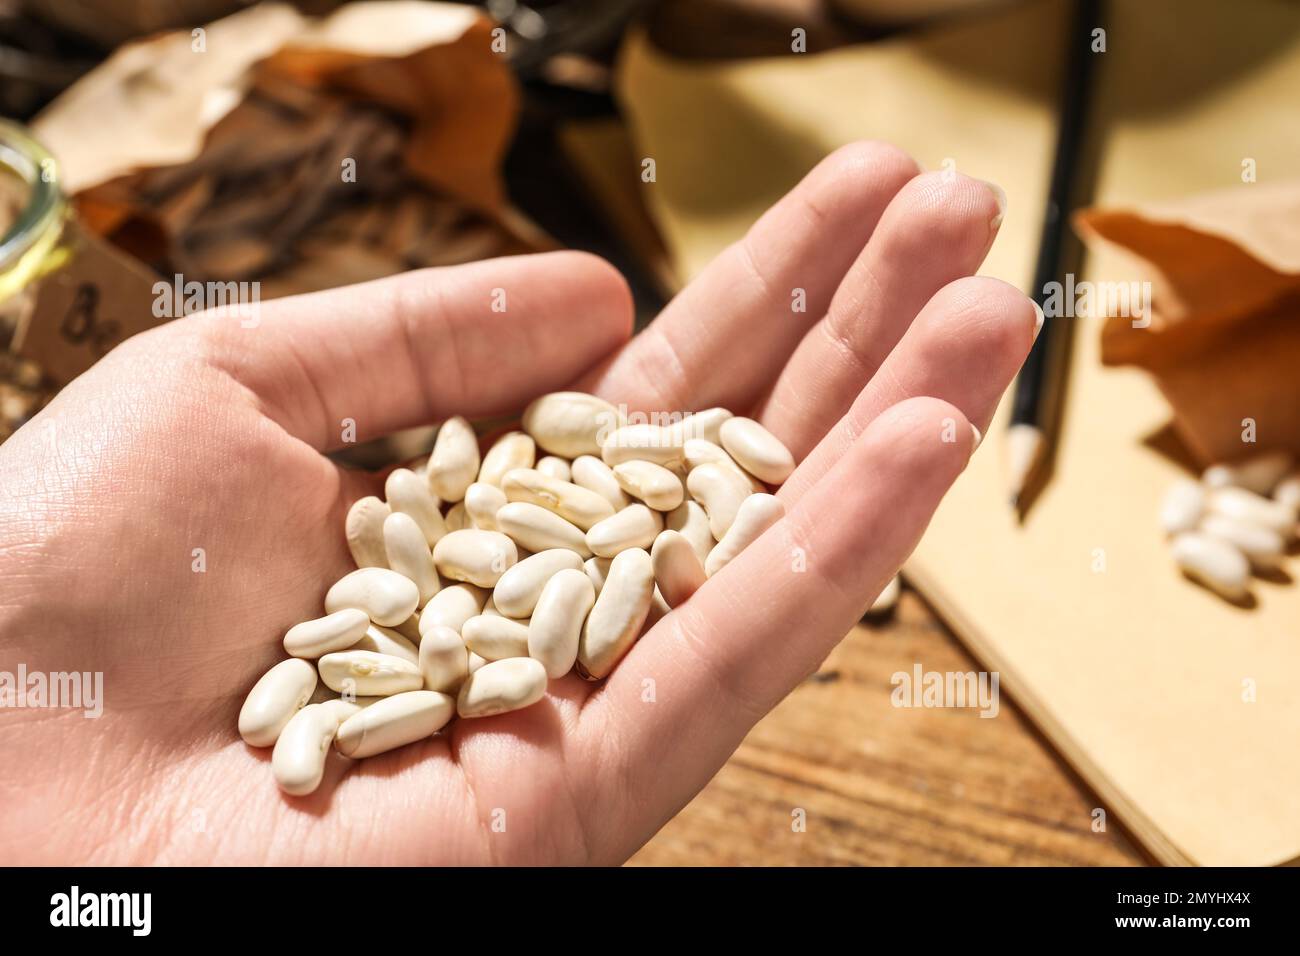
(979, 437)
(1039, 319)
(1000, 196)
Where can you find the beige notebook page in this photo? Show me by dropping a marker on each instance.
(1135, 675)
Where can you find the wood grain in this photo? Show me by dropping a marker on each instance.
(884, 785)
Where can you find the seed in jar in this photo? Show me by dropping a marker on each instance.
(756, 450)
(570, 423)
(643, 442)
(408, 554)
(720, 491)
(333, 632)
(755, 515)
(634, 527)
(408, 493)
(556, 624)
(1183, 506)
(368, 674)
(677, 568)
(554, 467)
(498, 687)
(444, 659)
(593, 474)
(615, 620)
(538, 530)
(454, 461)
(482, 502)
(298, 761)
(494, 637)
(512, 450)
(1213, 562)
(386, 596)
(571, 502)
(479, 557)
(279, 694)
(1259, 474)
(364, 531)
(653, 484)
(383, 640)
(517, 592)
(394, 722)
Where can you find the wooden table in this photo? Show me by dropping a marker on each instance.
(885, 785)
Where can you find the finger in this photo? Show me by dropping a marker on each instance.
(738, 313)
(938, 228)
(766, 620)
(417, 348)
(964, 347)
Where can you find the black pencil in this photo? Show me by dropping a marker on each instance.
(1026, 439)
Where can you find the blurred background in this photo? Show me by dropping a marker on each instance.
(290, 148)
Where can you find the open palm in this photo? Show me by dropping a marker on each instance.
(204, 434)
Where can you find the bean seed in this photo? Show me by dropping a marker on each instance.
(364, 531)
(444, 659)
(556, 624)
(495, 638)
(479, 557)
(706, 425)
(616, 618)
(410, 628)
(1213, 562)
(502, 686)
(634, 527)
(539, 530)
(1243, 505)
(279, 694)
(394, 722)
(333, 632)
(643, 442)
(1261, 546)
(553, 467)
(457, 518)
(756, 450)
(517, 592)
(408, 554)
(451, 607)
(482, 502)
(388, 597)
(512, 450)
(453, 464)
(367, 673)
(654, 484)
(692, 522)
(677, 568)
(573, 503)
(1287, 493)
(475, 662)
(593, 474)
(409, 494)
(755, 515)
(570, 423)
(383, 640)
(1259, 473)
(597, 569)
(298, 761)
(720, 491)
(1183, 505)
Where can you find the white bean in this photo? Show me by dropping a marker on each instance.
(369, 674)
(634, 527)
(1259, 473)
(475, 662)
(457, 517)
(495, 638)
(444, 659)
(615, 620)
(570, 423)
(1261, 546)
(409, 494)
(756, 450)
(453, 464)
(394, 722)
(279, 694)
(539, 530)
(573, 503)
(1213, 562)
(594, 475)
(408, 554)
(597, 569)
(677, 568)
(388, 597)
(482, 502)
(644, 442)
(479, 557)
(1183, 505)
(451, 607)
(364, 530)
(512, 450)
(517, 592)
(706, 424)
(720, 490)
(298, 761)
(333, 632)
(692, 522)
(1243, 505)
(654, 484)
(383, 640)
(755, 515)
(556, 624)
(554, 467)
(498, 687)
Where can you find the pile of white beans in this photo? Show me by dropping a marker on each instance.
(1237, 518)
(478, 580)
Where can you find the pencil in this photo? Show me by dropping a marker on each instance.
(1027, 439)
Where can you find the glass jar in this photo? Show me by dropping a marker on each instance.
(33, 217)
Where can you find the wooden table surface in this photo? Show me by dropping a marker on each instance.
(884, 785)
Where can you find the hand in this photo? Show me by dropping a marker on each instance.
(205, 434)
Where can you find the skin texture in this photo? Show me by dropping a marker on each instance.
(204, 434)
